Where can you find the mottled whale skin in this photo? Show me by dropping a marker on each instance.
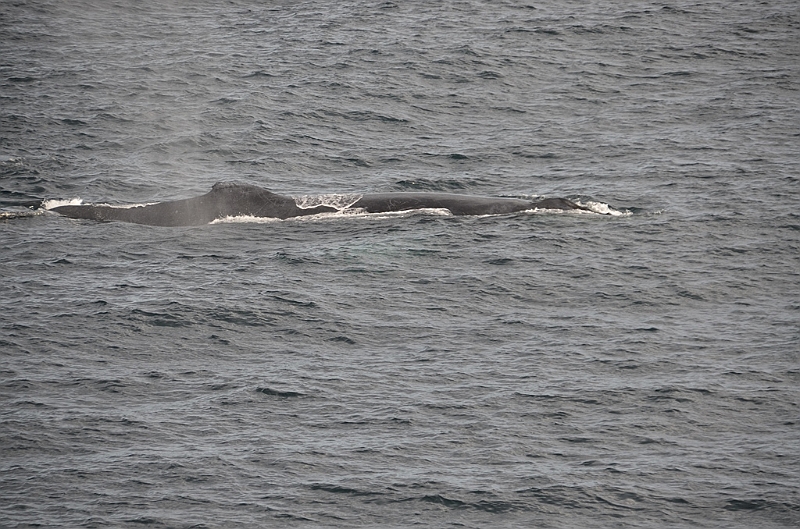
(228, 199)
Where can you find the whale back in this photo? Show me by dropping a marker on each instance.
(231, 199)
(456, 204)
(225, 199)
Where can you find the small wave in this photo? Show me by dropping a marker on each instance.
(244, 219)
(539, 211)
(8, 215)
(595, 207)
(10, 160)
(443, 212)
(250, 219)
(56, 202)
(552, 211)
(350, 213)
(604, 209)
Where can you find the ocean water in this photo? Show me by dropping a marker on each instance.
(547, 369)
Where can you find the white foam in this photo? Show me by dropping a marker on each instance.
(244, 219)
(595, 208)
(342, 214)
(536, 211)
(443, 212)
(604, 209)
(333, 200)
(54, 202)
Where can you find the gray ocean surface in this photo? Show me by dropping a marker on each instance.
(551, 370)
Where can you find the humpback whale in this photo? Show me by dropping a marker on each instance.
(229, 199)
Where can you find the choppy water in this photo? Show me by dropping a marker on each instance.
(532, 370)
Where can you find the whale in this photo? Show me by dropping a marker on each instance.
(233, 199)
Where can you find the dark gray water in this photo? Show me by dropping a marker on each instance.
(532, 370)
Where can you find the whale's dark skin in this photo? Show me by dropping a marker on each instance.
(457, 204)
(233, 200)
(224, 200)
